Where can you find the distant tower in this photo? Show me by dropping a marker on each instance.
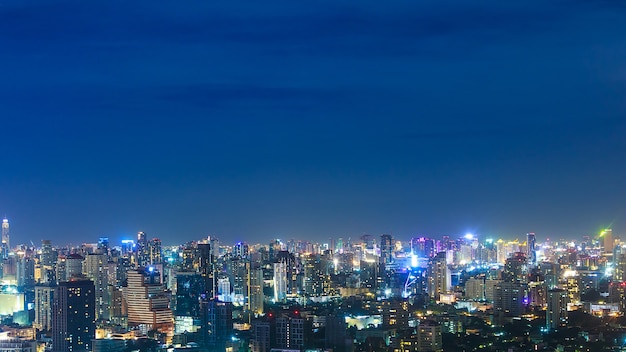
(531, 254)
(143, 252)
(607, 235)
(556, 314)
(280, 281)
(438, 276)
(5, 238)
(95, 267)
(386, 249)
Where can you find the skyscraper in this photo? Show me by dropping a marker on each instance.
(423, 247)
(280, 281)
(44, 297)
(73, 318)
(556, 314)
(438, 276)
(386, 249)
(155, 255)
(256, 296)
(5, 238)
(509, 299)
(607, 236)
(96, 268)
(147, 301)
(218, 324)
(531, 254)
(515, 268)
(143, 252)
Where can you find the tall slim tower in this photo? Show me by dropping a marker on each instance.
(438, 276)
(531, 254)
(5, 238)
(607, 235)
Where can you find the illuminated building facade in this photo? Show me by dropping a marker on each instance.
(147, 302)
(73, 316)
(556, 314)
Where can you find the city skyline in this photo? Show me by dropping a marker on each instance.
(259, 120)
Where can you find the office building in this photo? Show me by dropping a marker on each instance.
(438, 276)
(147, 302)
(280, 281)
(218, 324)
(261, 337)
(531, 252)
(96, 268)
(6, 247)
(290, 332)
(73, 316)
(556, 314)
(429, 337)
(44, 297)
(608, 241)
(509, 299)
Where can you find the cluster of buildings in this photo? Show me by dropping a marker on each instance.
(370, 294)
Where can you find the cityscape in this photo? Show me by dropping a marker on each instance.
(372, 293)
(328, 176)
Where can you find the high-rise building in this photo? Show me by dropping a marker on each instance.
(73, 316)
(223, 289)
(509, 299)
(261, 337)
(609, 242)
(189, 292)
(73, 266)
(143, 252)
(103, 245)
(335, 334)
(429, 337)
(531, 253)
(6, 247)
(438, 276)
(218, 324)
(386, 250)
(515, 268)
(96, 267)
(290, 332)
(238, 269)
(155, 255)
(280, 281)
(205, 260)
(48, 256)
(556, 314)
(241, 249)
(148, 304)
(44, 297)
(423, 247)
(256, 297)
(25, 275)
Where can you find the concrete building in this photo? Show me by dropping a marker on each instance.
(44, 297)
(73, 318)
(96, 267)
(438, 276)
(556, 314)
(147, 302)
(290, 332)
(429, 337)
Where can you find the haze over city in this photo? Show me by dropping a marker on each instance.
(250, 121)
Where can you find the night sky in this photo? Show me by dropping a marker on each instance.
(309, 120)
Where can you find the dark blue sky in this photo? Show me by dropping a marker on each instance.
(251, 120)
